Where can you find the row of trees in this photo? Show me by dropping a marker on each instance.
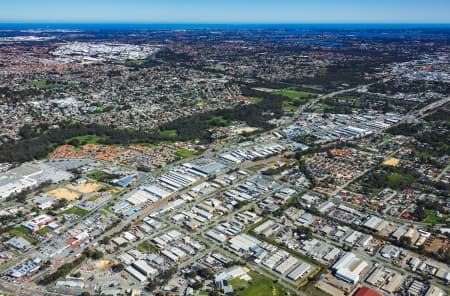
(63, 271)
(66, 268)
(339, 105)
(406, 87)
(405, 129)
(161, 279)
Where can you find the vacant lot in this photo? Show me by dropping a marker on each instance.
(435, 244)
(86, 188)
(63, 193)
(185, 153)
(76, 211)
(391, 162)
(103, 264)
(259, 285)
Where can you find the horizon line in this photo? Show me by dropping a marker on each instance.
(220, 23)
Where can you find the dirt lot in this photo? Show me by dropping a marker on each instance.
(104, 264)
(391, 162)
(86, 188)
(63, 193)
(434, 244)
(337, 283)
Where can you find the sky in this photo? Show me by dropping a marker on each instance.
(226, 11)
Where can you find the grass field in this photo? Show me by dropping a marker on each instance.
(94, 198)
(98, 110)
(42, 84)
(323, 71)
(319, 109)
(293, 94)
(185, 153)
(201, 104)
(76, 211)
(216, 69)
(433, 218)
(296, 98)
(89, 139)
(313, 86)
(257, 167)
(168, 133)
(148, 145)
(22, 232)
(259, 285)
(257, 100)
(97, 175)
(44, 230)
(289, 107)
(136, 62)
(218, 121)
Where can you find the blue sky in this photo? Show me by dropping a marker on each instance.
(226, 11)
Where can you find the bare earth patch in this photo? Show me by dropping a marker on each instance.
(86, 188)
(63, 193)
(103, 264)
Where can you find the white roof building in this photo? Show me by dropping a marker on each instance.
(375, 223)
(243, 243)
(286, 265)
(144, 268)
(135, 273)
(299, 271)
(349, 268)
(231, 273)
(38, 222)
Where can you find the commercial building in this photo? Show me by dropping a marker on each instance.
(125, 181)
(243, 243)
(25, 269)
(43, 201)
(435, 291)
(136, 274)
(38, 222)
(364, 291)
(206, 167)
(28, 176)
(144, 268)
(349, 268)
(299, 271)
(19, 243)
(375, 223)
(17, 180)
(157, 191)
